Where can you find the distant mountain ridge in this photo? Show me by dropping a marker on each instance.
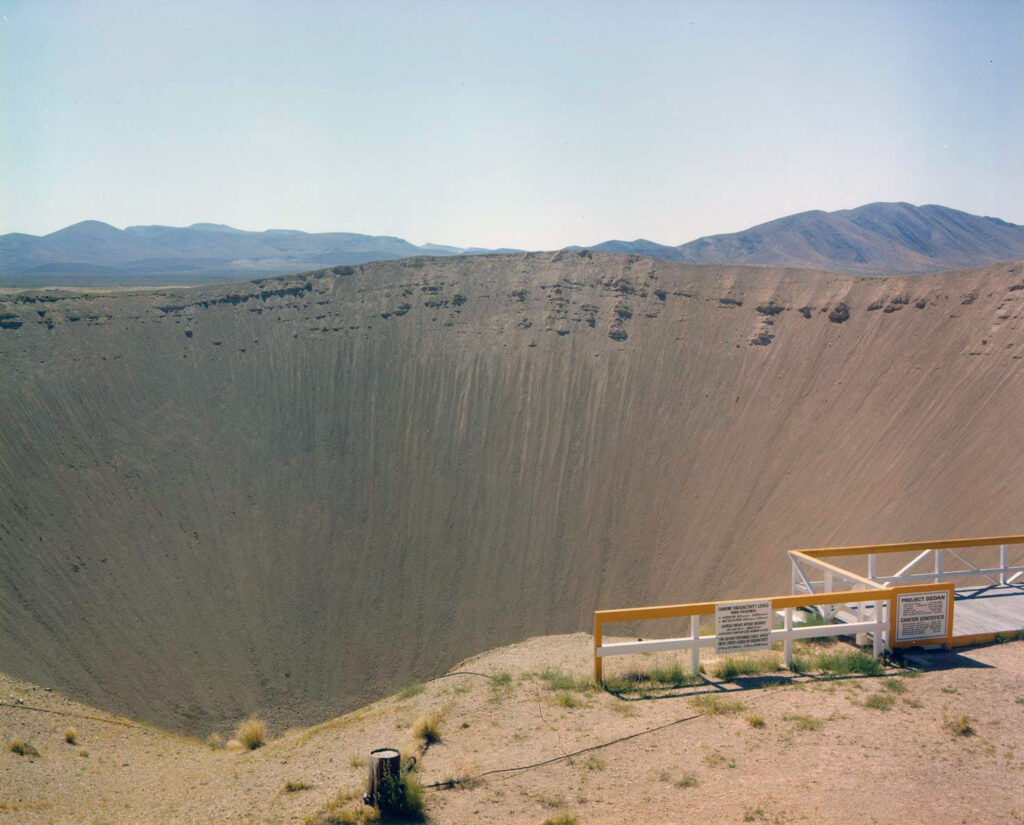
(202, 252)
(876, 239)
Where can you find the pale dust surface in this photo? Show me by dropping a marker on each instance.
(854, 764)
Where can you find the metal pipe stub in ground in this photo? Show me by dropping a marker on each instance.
(385, 766)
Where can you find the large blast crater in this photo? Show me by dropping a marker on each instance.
(292, 496)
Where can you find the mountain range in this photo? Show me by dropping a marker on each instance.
(876, 239)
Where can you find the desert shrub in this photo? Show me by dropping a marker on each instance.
(745, 664)
(687, 780)
(712, 705)
(428, 728)
(502, 679)
(400, 797)
(567, 699)
(214, 741)
(756, 721)
(839, 663)
(83, 752)
(674, 675)
(562, 818)
(345, 809)
(250, 734)
(17, 746)
(71, 736)
(880, 701)
(466, 775)
(292, 787)
(804, 721)
(630, 681)
(959, 726)
(714, 759)
(409, 691)
(559, 680)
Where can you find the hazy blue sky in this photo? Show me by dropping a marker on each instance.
(522, 124)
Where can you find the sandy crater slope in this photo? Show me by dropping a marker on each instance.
(293, 496)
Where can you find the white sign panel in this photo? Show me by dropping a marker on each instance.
(742, 626)
(922, 615)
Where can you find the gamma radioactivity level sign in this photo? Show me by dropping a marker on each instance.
(743, 626)
(922, 615)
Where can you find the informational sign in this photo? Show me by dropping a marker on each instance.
(742, 626)
(922, 615)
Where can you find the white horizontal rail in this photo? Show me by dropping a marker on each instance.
(987, 572)
(878, 625)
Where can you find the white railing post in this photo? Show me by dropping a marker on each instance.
(695, 650)
(938, 565)
(876, 637)
(1002, 563)
(788, 644)
(871, 567)
(829, 611)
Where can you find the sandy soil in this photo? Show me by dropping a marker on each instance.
(822, 756)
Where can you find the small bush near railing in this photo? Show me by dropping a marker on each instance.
(558, 680)
(745, 664)
(839, 663)
(641, 681)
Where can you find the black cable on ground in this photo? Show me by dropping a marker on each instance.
(452, 783)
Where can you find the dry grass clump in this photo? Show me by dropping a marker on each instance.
(745, 664)
(400, 798)
(428, 729)
(71, 736)
(561, 818)
(839, 663)
(292, 787)
(880, 701)
(23, 748)
(715, 759)
(83, 752)
(214, 741)
(251, 733)
(568, 700)
(466, 775)
(687, 780)
(712, 705)
(959, 726)
(672, 675)
(804, 721)
(756, 721)
(409, 691)
(346, 808)
(559, 680)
